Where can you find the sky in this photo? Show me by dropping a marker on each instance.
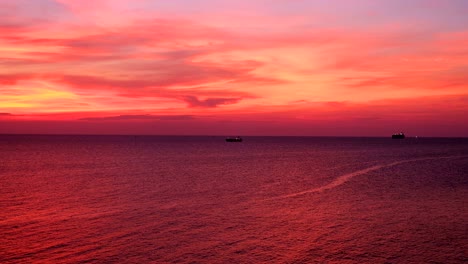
(264, 67)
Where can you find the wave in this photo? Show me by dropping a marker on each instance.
(346, 177)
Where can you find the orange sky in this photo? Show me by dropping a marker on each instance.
(272, 67)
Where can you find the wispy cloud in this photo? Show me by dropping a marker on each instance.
(139, 117)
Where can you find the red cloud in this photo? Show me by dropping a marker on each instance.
(10, 79)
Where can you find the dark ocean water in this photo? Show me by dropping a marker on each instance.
(125, 199)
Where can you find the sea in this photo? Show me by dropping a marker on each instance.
(200, 199)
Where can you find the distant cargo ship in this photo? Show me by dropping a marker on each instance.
(234, 139)
(400, 135)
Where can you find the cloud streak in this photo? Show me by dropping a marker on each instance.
(139, 118)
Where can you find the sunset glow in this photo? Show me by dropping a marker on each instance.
(267, 67)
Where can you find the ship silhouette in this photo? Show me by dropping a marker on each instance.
(400, 135)
(234, 139)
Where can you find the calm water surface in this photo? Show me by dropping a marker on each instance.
(125, 199)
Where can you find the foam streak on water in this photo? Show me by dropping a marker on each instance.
(126, 199)
(346, 177)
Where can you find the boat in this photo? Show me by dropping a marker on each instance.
(400, 135)
(234, 139)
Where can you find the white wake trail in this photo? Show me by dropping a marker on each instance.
(346, 177)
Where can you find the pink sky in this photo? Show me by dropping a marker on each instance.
(267, 67)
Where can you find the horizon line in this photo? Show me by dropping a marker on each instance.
(179, 135)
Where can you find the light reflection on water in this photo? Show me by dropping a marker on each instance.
(200, 199)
